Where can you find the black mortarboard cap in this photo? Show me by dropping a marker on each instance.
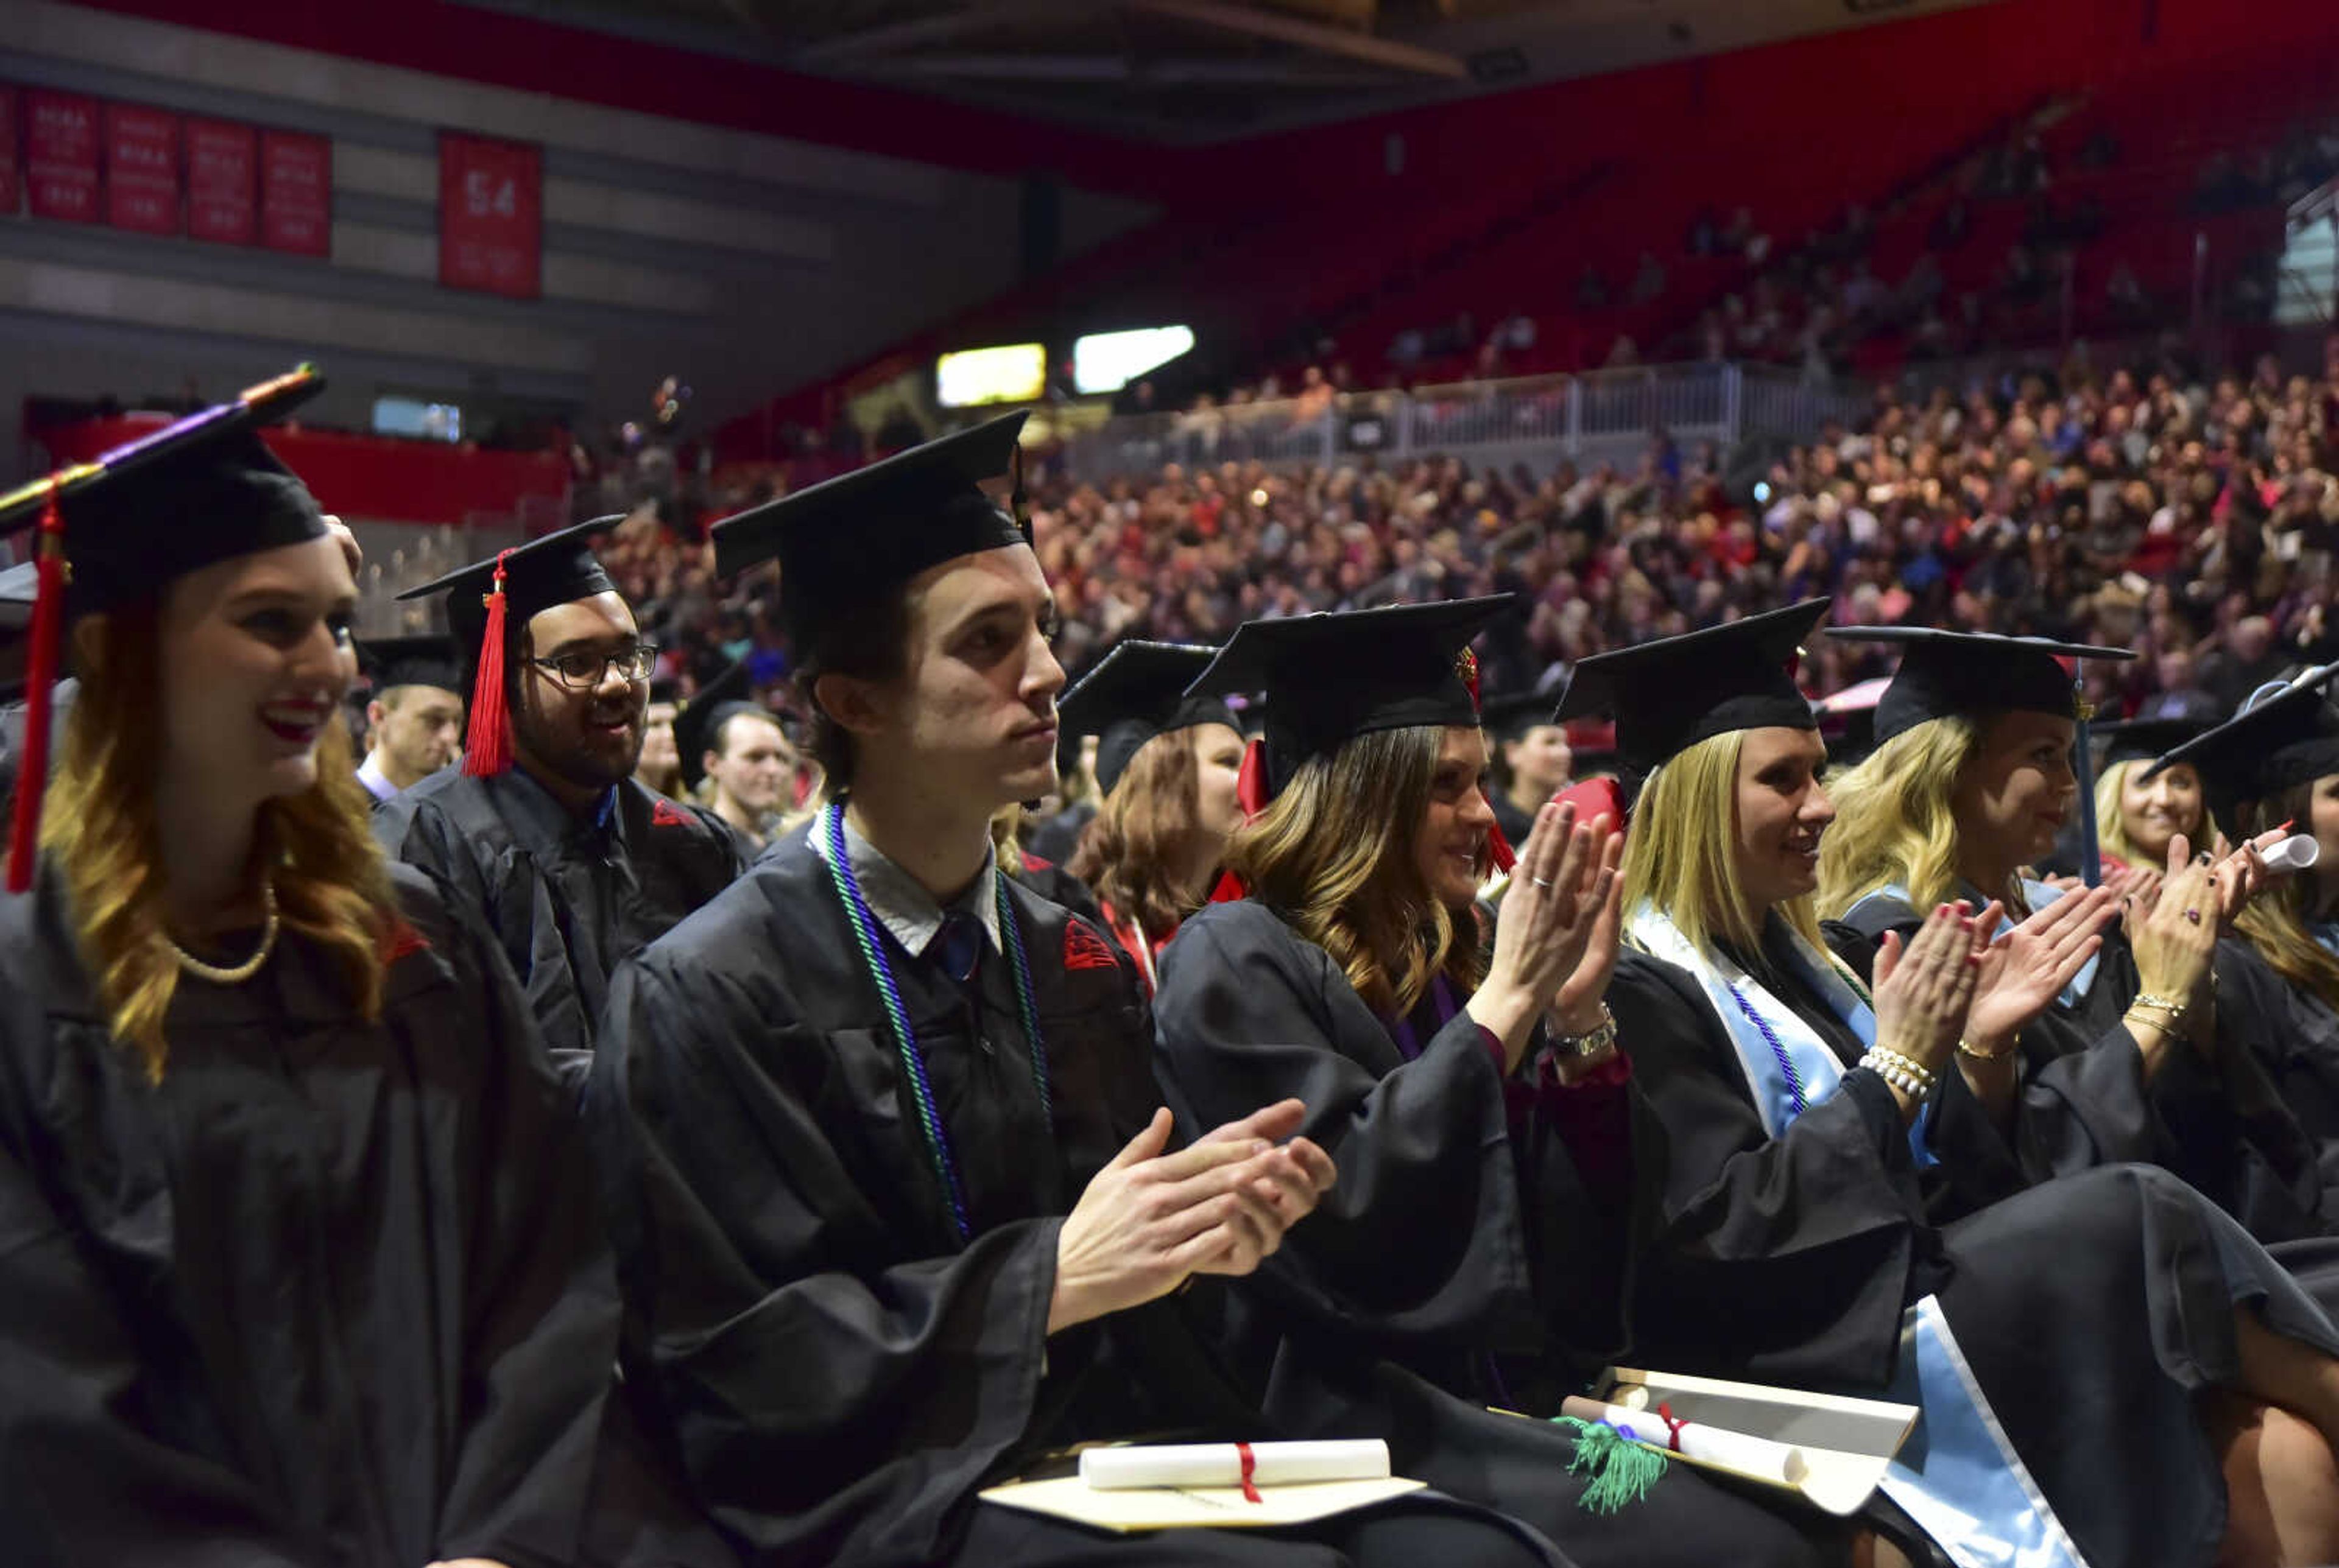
(1328, 678)
(1669, 694)
(430, 660)
(699, 720)
(2143, 740)
(1514, 713)
(2287, 737)
(1136, 692)
(839, 541)
(1943, 674)
(558, 569)
(137, 518)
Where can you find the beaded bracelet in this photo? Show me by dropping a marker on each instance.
(1910, 1078)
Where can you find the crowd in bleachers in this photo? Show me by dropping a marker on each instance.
(2188, 513)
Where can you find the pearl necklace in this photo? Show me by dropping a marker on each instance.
(249, 967)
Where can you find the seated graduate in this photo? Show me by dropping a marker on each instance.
(414, 717)
(1473, 1250)
(292, 1264)
(736, 760)
(1532, 760)
(2137, 810)
(543, 832)
(659, 767)
(2058, 1342)
(2276, 766)
(894, 1201)
(2139, 1059)
(1167, 769)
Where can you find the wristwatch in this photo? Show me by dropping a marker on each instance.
(1601, 1036)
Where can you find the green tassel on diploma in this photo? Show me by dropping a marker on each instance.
(1622, 1471)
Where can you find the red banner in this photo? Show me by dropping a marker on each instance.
(11, 182)
(222, 181)
(141, 169)
(61, 144)
(490, 216)
(296, 193)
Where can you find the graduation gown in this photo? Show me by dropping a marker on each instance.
(2090, 1311)
(1463, 1257)
(2299, 1049)
(840, 1374)
(567, 901)
(2084, 1101)
(332, 1292)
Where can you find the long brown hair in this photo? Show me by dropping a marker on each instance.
(1128, 849)
(2274, 922)
(99, 832)
(1334, 855)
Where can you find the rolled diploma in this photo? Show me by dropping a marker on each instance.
(2296, 852)
(1757, 1456)
(1219, 1463)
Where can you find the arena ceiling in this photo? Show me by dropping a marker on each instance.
(1195, 71)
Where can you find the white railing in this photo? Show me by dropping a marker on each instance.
(1603, 414)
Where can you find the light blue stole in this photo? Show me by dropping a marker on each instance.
(1958, 1475)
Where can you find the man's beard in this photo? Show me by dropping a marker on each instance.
(550, 749)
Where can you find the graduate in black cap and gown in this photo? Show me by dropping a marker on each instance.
(293, 1267)
(1533, 761)
(1168, 774)
(895, 1207)
(1476, 1250)
(414, 717)
(542, 831)
(2063, 1343)
(2138, 1058)
(2275, 766)
(735, 758)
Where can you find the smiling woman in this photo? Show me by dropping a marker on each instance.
(265, 1101)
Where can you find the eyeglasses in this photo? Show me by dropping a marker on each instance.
(582, 669)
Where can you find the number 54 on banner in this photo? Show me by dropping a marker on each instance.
(490, 216)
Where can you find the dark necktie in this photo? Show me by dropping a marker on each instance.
(959, 946)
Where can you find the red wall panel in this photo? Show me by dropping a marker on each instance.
(296, 193)
(141, 169)
(222, 181)
(490, 216)
(61, 147)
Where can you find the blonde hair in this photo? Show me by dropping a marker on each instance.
(1682, 858)
(1334, 855)
(100, 833)
(1895, 824)
(2111, 821)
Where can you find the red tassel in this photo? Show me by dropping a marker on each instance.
(1498, 846)
(1250, 780)
(46, 635)
(488, 744)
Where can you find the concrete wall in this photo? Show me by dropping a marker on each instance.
(746, 263)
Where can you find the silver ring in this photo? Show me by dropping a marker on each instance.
(1539, 882)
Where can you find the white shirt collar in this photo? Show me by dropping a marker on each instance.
(377, 782)
(901, 904)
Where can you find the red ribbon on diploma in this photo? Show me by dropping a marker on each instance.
(1249, 1467)
(1673, 1427)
